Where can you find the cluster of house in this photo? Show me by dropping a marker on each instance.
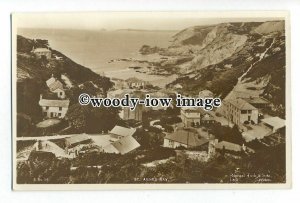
(130, 83)
(134, 87)
(195, 117)
(239, 111)
(190, 138)
(244, 111)
(119, 140)
(55, 106)
(126, 113)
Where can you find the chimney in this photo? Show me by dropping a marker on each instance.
(41, 96)
(243, 147)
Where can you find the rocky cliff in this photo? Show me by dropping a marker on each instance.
(250, 54)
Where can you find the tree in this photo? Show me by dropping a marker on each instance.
(151, 139)
(41, 43)
(57, 71)
(237, 135)
(104, 83)
(77, 115)
(102, 119)
(43, 167)
(226, 133)
(173, 110)
(92, 120)
(73, 94)
(23, 173)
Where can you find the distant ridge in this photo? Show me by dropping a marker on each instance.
(141, 30)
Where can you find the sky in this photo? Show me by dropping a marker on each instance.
(129, 20)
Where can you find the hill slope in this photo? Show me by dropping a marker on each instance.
(32, 74)
(251, 55)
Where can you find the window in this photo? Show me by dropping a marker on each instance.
(60, 93)
(60, 108)
(243, 111)
(59, 114)
(47, 107)
(249, 111)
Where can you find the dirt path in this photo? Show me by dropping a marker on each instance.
(240, 89)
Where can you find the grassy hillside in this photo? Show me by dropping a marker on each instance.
(32, 74)
(38, 69)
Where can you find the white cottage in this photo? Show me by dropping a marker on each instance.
(42, 53)
(190, 117)
(54, 108)
(56, 87)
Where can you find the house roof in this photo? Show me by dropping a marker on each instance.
(50, 81)
(187, 137)
(192, 110)
(134, 79)
(48, 146)
(123, 146)
(122, 131)
(229, 146)
(191, 113)
(54, 103)
(178, 86)
(241, 104)
(205, 93)
(157, 94)
(55, 85)
(275, 122)
(119, 93)
(77, 138)
(207, 117)
(41, 50)
(256, 100)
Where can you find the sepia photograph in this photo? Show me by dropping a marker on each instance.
(151, 100)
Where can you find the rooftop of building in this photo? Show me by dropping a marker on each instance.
(122, 131)
(125, 145)
(256, 100)
(41, 50)
(241, 104)
(275, 122)
(77, 138)
(54, 103)
(187, 137)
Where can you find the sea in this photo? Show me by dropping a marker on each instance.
(101, 50)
